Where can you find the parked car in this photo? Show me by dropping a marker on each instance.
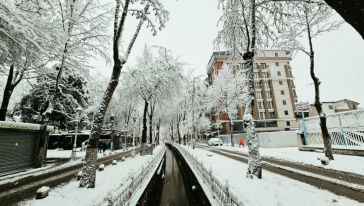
(214, 141)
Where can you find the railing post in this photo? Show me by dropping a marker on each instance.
(304, 128)
(342, 130)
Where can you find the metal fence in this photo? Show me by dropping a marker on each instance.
(124, 195)
(219, 190)
(346, 129)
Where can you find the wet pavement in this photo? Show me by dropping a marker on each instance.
(173, 192)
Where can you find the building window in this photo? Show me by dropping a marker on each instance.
(256, 75)
(288, 123)
(294, 92)
(257, 85)
(261, 115)
(266, 85)
(277, 64)
(255, 66)
(276, 54)
(264, 66)
(268, 95)
(258, 95)
(260, 105)
(282, 92)
(285, 112)
(290, 73)
(284, 102)
(269, 105)
(280, 82)
(265, 75)
(331, 107)
(292, 83)
(272, 115)
(279, 73)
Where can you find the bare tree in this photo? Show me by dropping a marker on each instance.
(142, 14)
(227, 93)
(157, 77)
(22, 43)
(313, 20)
(249, 25)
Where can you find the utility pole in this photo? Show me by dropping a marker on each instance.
(112, 133)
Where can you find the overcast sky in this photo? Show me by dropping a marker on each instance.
(193, 26)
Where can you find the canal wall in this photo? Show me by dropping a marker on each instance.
(193, 194)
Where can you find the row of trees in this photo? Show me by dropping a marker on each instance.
(52, 56)
(251, 25)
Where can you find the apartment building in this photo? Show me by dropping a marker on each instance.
(275, 92)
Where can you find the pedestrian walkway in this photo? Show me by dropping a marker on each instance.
(345, 163)
(272, 189)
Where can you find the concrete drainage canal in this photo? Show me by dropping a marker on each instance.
(174, 184)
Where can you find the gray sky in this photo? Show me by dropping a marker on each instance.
(193, 26)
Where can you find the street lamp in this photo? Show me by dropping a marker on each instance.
(112, 132)
(78, 112)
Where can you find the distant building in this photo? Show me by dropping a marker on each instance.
(275, 91)
(335, 107)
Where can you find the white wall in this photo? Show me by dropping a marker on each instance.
(277, 139)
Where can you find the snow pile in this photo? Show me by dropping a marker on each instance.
(273, 189)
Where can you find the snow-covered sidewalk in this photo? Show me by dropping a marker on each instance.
(59, 153)
(345, 163)
(108, 183)
(273, 189)
(53, 167)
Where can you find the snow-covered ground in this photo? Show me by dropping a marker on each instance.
(107, 182)
(53, 167)
(272, 189)
(57, 153)
(346, 163)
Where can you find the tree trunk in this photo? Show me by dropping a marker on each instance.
(151, 129)
(89, 169)
(158, 130)
(8, 91)
(144, 131)
(254, 162)
(172, 137)
(178, 132)
(324, 131)
(232, 133)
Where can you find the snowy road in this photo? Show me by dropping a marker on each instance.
(344, 184)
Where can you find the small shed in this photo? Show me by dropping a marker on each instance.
(22, 145)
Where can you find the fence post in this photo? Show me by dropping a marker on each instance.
(342, 130)
(304, 128)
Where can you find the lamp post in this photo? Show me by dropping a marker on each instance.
(112, 133)
(73, 154)
(133, 151)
